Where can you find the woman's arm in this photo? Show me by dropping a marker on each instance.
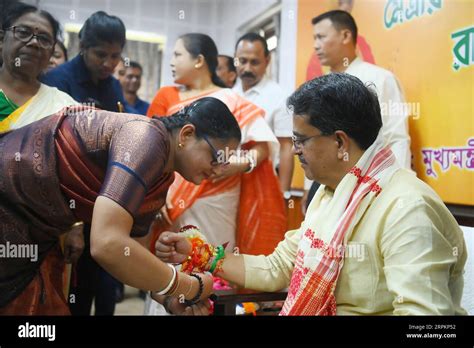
(122, 256)
(263, 273)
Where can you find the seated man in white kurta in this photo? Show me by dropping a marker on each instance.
(375, 240)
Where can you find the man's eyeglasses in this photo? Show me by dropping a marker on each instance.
(215, 155)
(25, 34)
(298, 143)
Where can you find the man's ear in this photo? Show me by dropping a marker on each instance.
(346, 36)
(343, 142)
(268, 58)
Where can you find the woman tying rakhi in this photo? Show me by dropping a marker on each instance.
(112, 170)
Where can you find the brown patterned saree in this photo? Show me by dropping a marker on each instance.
(51, 173)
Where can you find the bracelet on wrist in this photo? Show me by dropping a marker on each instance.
(172, 284)
(196, 298)
(252, 163)
(220, 255)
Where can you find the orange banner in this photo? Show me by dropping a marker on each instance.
(429, 46)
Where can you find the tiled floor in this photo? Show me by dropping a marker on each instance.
(132, 304)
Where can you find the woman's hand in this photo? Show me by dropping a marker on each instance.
(174, 306)
(172, 247)
(228, 170)
(200, 309)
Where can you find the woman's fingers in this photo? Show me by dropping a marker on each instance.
(164, 248)
(201, 308)
(194, 310)
(165, 257)
(170, 238)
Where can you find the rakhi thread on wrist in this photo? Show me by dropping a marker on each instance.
(203, 256)
(219, 257)
(189, 289)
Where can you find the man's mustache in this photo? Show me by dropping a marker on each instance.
(247, 75)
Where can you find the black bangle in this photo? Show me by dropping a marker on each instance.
(196, 298)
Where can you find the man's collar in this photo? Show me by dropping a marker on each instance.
(257, 88)
(354, 64)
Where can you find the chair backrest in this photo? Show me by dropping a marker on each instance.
(467, 301)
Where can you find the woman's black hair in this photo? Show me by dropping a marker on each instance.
(210, 117)
(63, 48)
(339, 101)
(100, 28)
(18, 9)
(196, 44)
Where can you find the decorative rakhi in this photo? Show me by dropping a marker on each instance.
(203, 257)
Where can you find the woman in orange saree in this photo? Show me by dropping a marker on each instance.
(245, 198)
(243, 205)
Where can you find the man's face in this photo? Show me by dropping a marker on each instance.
(328, 43)
(317, 153)
(252, 62)
(227, 76)
(131, 80)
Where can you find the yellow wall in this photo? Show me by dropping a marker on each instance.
(419, 52)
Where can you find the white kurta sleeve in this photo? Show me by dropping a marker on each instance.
(395, 119)
(258, 130)
(273, 272)
(282, 121)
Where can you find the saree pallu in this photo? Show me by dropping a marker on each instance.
(43, 295)
(47, 101)
(33, 210)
